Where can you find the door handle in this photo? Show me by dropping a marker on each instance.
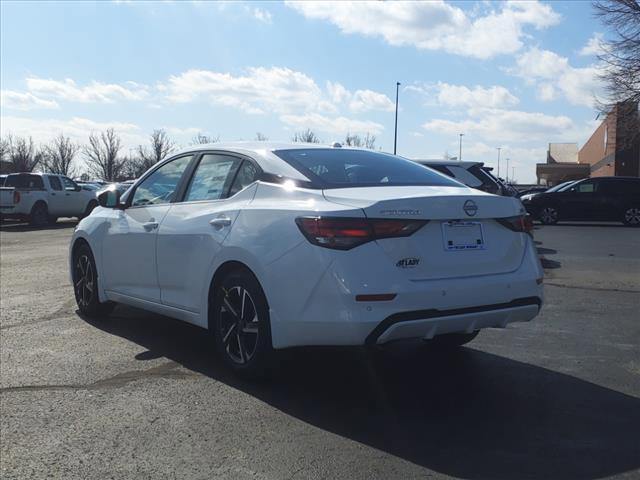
(150, 226)
(220, 222)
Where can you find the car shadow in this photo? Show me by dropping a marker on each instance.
(25, 227)
(465, 413)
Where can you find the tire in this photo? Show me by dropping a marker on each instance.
(631, 216)
(549, 215)
(452, 340)
(39, 215)
(242, 334)
(92, 204)
(85, 285)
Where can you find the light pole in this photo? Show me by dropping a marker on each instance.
(460, 151)
(395, 135)
(513, 173)
(507, 170)
(498, 148)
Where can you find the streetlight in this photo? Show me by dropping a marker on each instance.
(513, 173)
(395, 136)
(507, 170)
(460, 152)
(499, 148)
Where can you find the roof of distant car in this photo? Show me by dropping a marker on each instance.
(445, 163)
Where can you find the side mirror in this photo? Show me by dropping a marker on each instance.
(109, 198)
(77, 188)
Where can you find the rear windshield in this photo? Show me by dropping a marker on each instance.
(30, 182)
(336, 168)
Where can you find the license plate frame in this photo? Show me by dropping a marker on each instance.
(462, 235)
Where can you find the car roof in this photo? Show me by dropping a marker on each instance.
(465, 164)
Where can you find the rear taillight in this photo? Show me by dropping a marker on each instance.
(16, 196)
(521, 223)
(346, 233)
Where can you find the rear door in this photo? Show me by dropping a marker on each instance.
(57, 199)
(192, 233)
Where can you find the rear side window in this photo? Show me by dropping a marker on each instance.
(337, 168)
(212, 178)
(465, 176)
(247, 174)
(27, 182)
(620, 187)
(55, 183)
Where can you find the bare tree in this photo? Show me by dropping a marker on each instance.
(621, 59)
(369, 141)
(22, 154)
(4, 148)
(59, 155)
(260, 137)
(161, 146)
(102, 155)
(202, 138)
(306, 136)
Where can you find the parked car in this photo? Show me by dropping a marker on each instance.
(472, 174)
(532, 191)
(271, 246)
(600, 199)
(41, 198)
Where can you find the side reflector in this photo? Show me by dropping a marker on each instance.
(380, 297)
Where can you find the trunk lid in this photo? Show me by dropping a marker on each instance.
(456, 215)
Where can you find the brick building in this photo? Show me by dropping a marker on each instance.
(612, 149)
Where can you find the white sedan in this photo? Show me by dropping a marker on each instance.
(271, 246)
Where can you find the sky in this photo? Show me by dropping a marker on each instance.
(514, 75)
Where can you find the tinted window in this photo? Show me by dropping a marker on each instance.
(160, 186)
(337, 168)
(620, 187)
(32, 182)
(465, 176)
(212, 177)
(55, 183)
(247, 174)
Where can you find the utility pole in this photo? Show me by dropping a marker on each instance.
(395, 135)
(460, 152)
(498, 148)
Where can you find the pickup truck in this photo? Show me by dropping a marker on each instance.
(40, 198)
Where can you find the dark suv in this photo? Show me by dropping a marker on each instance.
(601, 198)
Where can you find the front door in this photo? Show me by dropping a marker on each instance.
(74, 198)
(580, 202)
(129, 248)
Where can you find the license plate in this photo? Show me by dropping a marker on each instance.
(462, 236)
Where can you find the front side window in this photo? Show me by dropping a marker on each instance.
(69, 185)
(212, 177)
(160, 187)
(336, 168)
(55, 183)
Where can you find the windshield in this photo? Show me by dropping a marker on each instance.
(561, 187)
(336, 168)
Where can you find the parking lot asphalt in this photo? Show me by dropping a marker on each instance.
(142, 396)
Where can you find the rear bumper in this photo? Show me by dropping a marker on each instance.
(429, 323)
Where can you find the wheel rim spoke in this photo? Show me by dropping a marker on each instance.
(239, 324)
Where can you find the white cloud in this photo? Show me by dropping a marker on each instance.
(594, 46)
(552, 72)
(367, 100)
(77, 128)
(333, 125)
(435, 25)
(95, 92)
(24, 101)
(262, 15)
(463, 97)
